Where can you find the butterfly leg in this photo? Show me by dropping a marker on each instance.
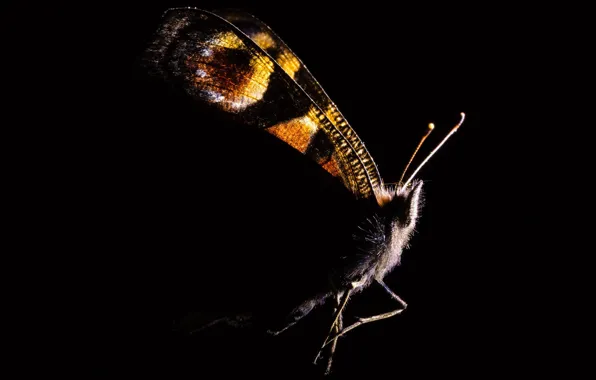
(337, 329)
(337, 316)
(374, 318)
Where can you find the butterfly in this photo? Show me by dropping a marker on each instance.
(232, 64)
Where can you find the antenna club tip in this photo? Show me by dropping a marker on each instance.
(431, 126)
(463, 117)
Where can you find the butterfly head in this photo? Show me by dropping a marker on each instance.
(400, 206)
(393, 223)
(398, 211)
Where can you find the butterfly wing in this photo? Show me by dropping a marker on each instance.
(267, 40)
(219, 65)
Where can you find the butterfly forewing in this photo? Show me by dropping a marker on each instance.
(267, 40)
(253, 77)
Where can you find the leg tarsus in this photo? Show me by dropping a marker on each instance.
(362, 321)
(338, 328)
(337, 316)
(337, 321)
(374, 318)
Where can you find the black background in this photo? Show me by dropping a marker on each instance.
(471, 278)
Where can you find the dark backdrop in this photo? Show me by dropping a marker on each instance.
(142, 189)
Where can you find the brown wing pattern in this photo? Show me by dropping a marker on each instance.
(222, 67)
(267, 40)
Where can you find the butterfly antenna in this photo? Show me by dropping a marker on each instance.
(453, 130)
(431, 126)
